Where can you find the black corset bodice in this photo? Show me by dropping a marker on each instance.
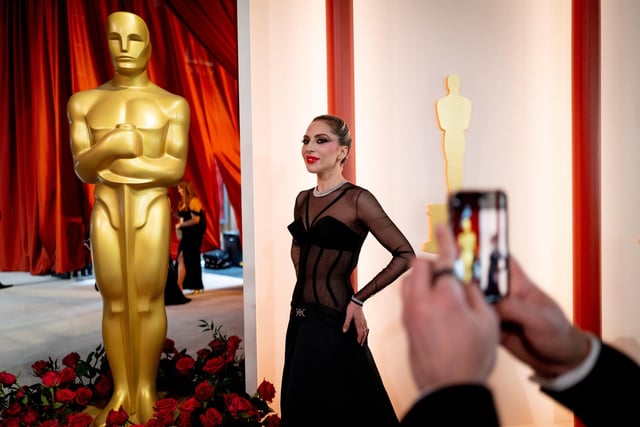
(328, 233)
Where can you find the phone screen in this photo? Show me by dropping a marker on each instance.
(479, 223)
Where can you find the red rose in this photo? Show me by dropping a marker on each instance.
(153, 423)
(30, 417)
(211, 418)
(232, 347)
(185, 364)
(49, 423)
(40, 367)
(236, 404)
(21, 392)
(7, 379)
(203, 353)
(266, 391)
(67, 375)
(163, 411)
(80, 419)
(213, 365)
(164, 417)
(50, 379)
(169, 346)
(103, 385)
(65, 395)
(13, 409)
(117, 418)
(11, 422)
(233, 344)
(204, 391)
(168, 404)
(272, 421)
(71, 360)
(190, 405)
(83, 396)
(217, 346)
(184, 420)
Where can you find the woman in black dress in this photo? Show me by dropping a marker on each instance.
(330, 377)
(190, 231)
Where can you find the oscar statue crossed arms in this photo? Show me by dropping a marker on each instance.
(129, 137)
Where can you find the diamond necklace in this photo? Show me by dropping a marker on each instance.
(329, 191)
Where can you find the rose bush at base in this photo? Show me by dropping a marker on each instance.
(206, 390)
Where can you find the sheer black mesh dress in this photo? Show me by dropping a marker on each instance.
(328, 378)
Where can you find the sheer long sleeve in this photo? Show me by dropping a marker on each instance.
(390, 237)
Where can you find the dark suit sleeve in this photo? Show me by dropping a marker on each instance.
(608, 395)
(461, 405)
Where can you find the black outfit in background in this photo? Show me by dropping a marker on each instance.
(328, 378)
(172, 293)
(606, 397)
(190, 245)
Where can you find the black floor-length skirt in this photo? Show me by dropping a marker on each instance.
(190, 247)
(328, 378)
(172, 293)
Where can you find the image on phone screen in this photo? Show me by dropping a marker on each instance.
(479, 223)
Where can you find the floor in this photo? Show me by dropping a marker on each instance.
(46, 316)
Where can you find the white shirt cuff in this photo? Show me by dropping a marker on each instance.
(574, 376)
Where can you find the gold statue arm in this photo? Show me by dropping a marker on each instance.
(168, 168)
(122, 142)
(116, 144)
(164, 170)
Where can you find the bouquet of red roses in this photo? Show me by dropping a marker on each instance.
(206, 390)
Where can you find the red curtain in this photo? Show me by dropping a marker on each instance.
(52, 49)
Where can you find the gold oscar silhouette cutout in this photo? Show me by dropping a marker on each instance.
(454, 115)
(129, 137)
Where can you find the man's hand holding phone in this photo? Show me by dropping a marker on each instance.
(453, 333)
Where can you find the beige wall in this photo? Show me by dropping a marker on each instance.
(514, 61)
(620, 176)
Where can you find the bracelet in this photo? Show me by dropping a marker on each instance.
(356, 300)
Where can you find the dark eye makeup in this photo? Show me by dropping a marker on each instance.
(320, 140)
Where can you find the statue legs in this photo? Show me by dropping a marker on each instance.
(454, 156)
(131, 263)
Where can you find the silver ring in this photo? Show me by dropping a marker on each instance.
(442, 272)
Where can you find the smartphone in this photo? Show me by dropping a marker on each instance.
(478, 219)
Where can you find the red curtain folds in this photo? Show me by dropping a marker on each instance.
(41, 203)
(52, 49)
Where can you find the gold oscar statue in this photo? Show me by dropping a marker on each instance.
(129, 137)
(467, 241)
(454, 115)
